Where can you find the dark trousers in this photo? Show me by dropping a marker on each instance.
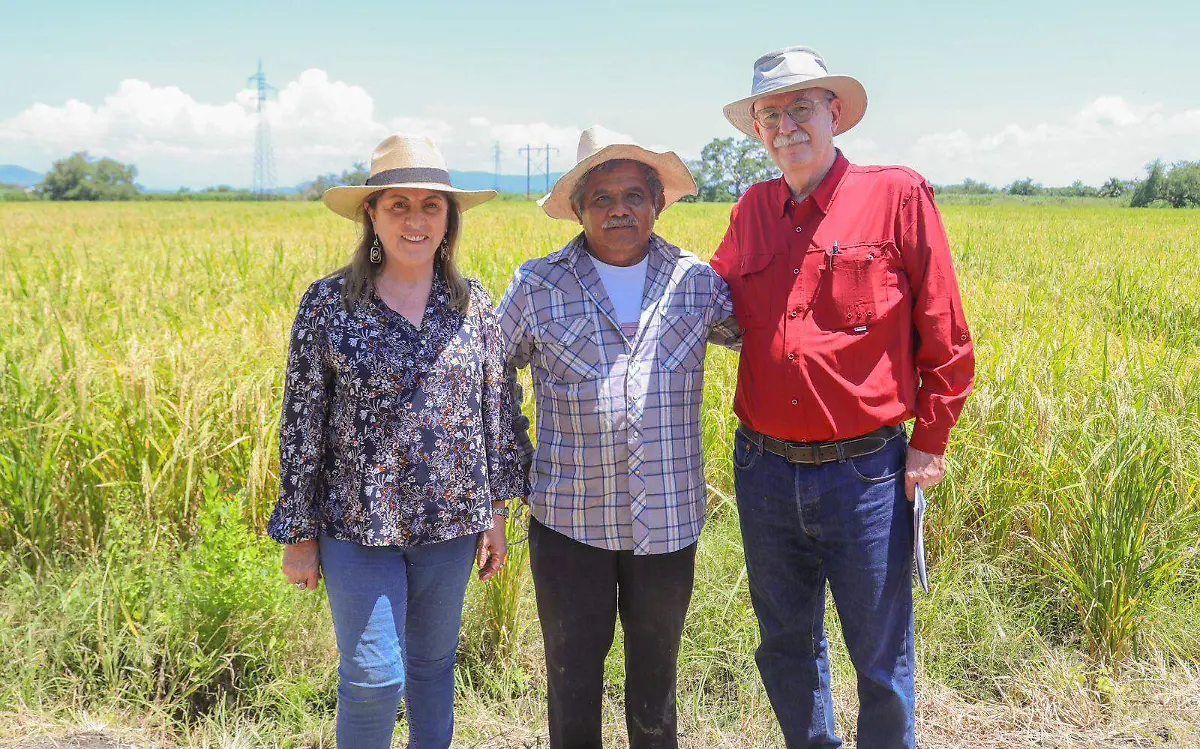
(580, 590)
(849, 525)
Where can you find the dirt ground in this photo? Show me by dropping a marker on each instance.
(85, 740)
(1156, 715)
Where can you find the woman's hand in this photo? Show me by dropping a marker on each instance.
(493, 549)
(302, 564)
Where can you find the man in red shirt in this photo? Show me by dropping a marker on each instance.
(842, 280)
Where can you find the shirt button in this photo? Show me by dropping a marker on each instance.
(795, 402)
(793, 313)
(791, 357)
(799, 229)
(795, 271)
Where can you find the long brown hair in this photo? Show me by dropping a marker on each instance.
(360, 272)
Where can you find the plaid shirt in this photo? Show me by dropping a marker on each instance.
(619, 461)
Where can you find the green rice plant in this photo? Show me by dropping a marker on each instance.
(1113, 538)
(141, 366)
(46, 457)
(502, 594)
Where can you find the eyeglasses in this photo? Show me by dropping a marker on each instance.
(799, 112)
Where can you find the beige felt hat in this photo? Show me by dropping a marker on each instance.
(795, 69)
(597, 145)
(402, 161)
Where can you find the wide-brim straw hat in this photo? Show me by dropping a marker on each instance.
(402, 161)
(794, 69)
(597, 145)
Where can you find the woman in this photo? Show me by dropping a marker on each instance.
(396, 450)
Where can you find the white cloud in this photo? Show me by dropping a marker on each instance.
(537, 134)
(1111, 110)
(1108, 137)
(317, 125)
(860, 150)
(321, 125)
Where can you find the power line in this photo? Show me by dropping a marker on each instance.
(496, 153)
(264, 155)
(534, 166)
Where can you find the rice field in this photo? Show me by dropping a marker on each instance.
(141, 361)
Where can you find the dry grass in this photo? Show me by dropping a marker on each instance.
(1144, 710)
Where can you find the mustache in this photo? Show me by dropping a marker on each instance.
(619, 222)
(789, 140)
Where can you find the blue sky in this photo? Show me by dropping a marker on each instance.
(1052, 90)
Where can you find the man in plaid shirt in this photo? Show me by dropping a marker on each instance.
(615, 326)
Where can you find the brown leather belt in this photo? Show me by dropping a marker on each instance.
(819, 453)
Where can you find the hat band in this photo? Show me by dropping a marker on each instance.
(410, 174)
(767, 86)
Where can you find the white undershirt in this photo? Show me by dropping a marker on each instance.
(624, 285)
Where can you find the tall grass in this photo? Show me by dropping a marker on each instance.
(141, 355)
(502, 597)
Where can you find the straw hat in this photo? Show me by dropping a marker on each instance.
(402, 161)
(599, 144)
(794, 69)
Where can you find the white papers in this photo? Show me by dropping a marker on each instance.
(919, 537)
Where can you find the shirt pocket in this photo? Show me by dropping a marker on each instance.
(754, 295)
(570, 349)
(858, 286)
(682, 341)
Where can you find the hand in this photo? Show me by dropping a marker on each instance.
(924, 469)
(493, 550)
(302, 564)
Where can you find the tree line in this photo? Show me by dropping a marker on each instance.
(81, 176)
(1176, 185)
(727, 167)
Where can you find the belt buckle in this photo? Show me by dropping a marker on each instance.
(795, 453)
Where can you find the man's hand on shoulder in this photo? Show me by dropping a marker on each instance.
(924, 469)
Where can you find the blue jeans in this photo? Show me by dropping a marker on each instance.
(849, 524)
(396, 615)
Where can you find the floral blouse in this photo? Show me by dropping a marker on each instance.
(392, 435)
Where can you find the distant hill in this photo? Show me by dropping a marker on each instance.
(507, 183)
(10, 174)
(512, 183)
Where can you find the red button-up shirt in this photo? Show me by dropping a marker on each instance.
(851, 310)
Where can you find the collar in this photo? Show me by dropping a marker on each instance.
(822, 196)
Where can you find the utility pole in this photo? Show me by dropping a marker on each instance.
(533, 164)
(264, 155)
(496, 153)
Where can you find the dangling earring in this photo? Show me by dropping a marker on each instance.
(376, 251)
(443, 248)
